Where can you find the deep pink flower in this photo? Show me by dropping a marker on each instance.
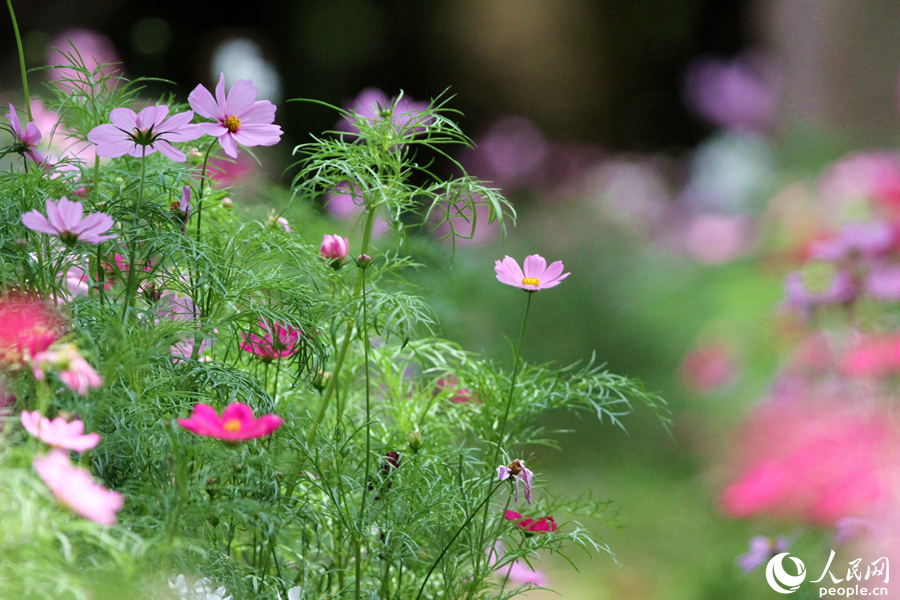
(59, 432)
(74, 487)
(460, 396)
(64, 218)
(141, 134)
(25, 139)
(517, 470)
(235, 425)
(278, 342)
(537, 275)
(334, 248)
(72, 369)
(762, 548)
(873, 357)
(240, 117)
(27, 328)
(529, 524)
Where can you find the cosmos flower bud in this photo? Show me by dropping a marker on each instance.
(415, 440)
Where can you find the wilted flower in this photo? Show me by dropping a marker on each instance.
(26, 138)
(74, 487)
(335, 248)
(143, 133)
(531, 525)
(762, 548)
(182, 209)
(202, 589)
(537, 275)
(64, 219)
(59, 432)
(278, 342)
(71, 368)
(240, 117)
(517, 470)
(235, 425)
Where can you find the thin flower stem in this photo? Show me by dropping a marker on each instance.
(362, 506)
(15, 24)
(462, 527)
(129, 283)
(203, 179)
(342, 353)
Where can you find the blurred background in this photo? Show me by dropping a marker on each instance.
(681, 157)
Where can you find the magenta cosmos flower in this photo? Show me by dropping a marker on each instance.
(536, 276)
(334, 247)
(517, 470)
(25, 139)
(278, 342)
(64, 218)
(59, 432)
(143, 133)
(235, 425)
(240, 117)
(530, 524)
(74, 487)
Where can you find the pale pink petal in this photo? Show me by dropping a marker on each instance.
(67, 212)
(203, 103)
(169, 151)
(228, 145)
(258, 135)
(534, 266)
(220, 98)
(262, 112)
(552, 272)
(35, 221)
(240, 97)
(13, 117)
(123, 118)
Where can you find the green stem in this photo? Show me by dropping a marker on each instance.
(342, 353)
(15, 24)
(203, 179)
(129, 283)
(456, 535)
(362, 506)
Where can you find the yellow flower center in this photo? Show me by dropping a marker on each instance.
(232, 123)
(231, 425)
(531, 281)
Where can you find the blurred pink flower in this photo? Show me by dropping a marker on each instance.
(27, 328)
(235, 425)
(762, 549)
(517, 572)
(25, 140)
(373, 105)
(141, 134)
(839, 290)
(716, 239)
(873, 356)
(334, 248)
(59, 432)
(513, 154)
(517, 470)
(460, 395)
(740, 94)
(814, 461)
(537, 275)
(709, 368)
(856, 241)
(279, 341)
(74, 487)
(93, 48)
(240, 117)
(530, 524)
(64, 219)
(72, 369)
(345, 201)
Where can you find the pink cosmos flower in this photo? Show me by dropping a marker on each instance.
(529, 524)
(537, 275)
(278, 342)
(517, 470)
(59, 432)
(240, 117)
(373, 105)
(25, 139)
(460, 396)
(141, 134)
(64, 218)
(90, 47)
(72, 369)
(334, 248)
(27, 328)
(235, 425)
(74, 487)
(709, 368)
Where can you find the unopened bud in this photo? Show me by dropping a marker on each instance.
(415, 440)
(321, 380)
(363, 261)
(227, 203)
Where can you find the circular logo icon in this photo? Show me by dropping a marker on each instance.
(781, 581)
